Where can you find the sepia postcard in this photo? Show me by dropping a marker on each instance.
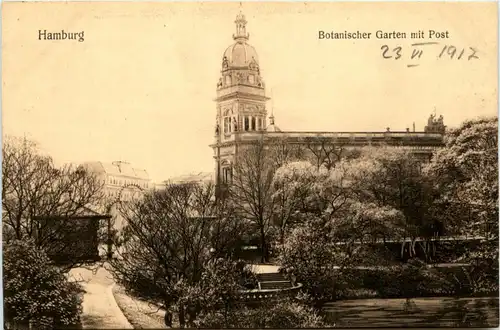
(249, 165)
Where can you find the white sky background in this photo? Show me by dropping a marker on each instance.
(141, 86)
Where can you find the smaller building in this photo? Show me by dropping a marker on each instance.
(121, 179)
(72, 238)
(122, 182)
(200, 177)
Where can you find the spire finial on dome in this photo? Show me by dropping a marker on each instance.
(241, 31)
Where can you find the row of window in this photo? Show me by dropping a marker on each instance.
(124, 182)
(250, 123)
(124, 195)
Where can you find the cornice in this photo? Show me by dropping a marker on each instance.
(241, 95)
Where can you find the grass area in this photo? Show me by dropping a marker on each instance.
(419, 312)
(141, 314)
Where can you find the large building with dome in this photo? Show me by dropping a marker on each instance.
(242, 115)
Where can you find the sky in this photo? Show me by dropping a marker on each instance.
(141, 86)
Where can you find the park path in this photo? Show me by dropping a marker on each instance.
(100, 310)
(264, 269)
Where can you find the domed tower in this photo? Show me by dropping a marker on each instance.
(240, 91)
(241, 99)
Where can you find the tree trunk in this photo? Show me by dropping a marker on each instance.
(413, 253)
(168, 319)
(282, 236)
(424, 246)
(192, 313)
(263, 243)
(182, 319)
(226, 325)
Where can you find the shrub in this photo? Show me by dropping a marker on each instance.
(412, 279)
(482, 275)
(282, 314)
(37, 291)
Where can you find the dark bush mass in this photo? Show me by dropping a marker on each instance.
(35, 290)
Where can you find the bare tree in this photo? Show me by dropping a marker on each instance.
(38, 198)
(324, 151)
(283, 151)
(251, 189)
(169, 237)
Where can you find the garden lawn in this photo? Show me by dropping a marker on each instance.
(419, 312)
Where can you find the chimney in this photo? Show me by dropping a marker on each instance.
(413, 126)
(407, 130)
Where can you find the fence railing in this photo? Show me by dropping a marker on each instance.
(265, 294)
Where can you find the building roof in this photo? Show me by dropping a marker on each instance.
(240, 54)
(200, 177)
(273, 128)
(82, 213)
(118, 168)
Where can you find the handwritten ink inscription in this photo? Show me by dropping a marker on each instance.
(416, 51)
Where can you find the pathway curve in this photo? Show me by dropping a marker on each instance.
(264, 269)
(100, 310)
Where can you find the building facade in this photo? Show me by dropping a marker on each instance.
(121, 180)
(122, 183)
(242, 115)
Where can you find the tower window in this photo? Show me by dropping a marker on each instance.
(251, 79)
(228, 80)
(259, 124)
(247, 124)
(226, 174)
(253, 123)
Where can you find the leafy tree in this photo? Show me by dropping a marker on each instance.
(319, 250)
(36, 291)
(295, 194)
(394, 178)
(465, 172)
